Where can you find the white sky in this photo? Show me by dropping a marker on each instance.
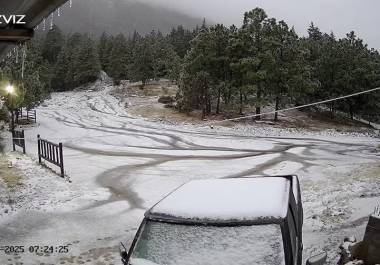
(340, 16)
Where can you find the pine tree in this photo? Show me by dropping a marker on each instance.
(73, 46)
(119, 59)
(220, 65)
(206, 66)
(35, 81)
(142, 67)
(52, 45)
(255, 30)
(180, 39)
(104, 51)
(60, 80)
(287, 72)
(86, 64)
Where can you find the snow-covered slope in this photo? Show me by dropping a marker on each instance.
(121, 165)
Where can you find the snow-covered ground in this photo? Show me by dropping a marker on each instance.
(121, 165)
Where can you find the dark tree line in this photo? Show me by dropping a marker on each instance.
(52, 63)
(265, 62)
(142, 58)
(217, 68)
(59, 62)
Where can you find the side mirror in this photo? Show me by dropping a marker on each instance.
(123, 253)
(319, 259)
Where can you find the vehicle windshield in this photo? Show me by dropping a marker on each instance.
(172, 244)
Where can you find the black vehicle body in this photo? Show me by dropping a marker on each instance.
(291, 225)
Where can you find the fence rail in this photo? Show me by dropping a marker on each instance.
(51, 152)
(31, 115)
(18, 138)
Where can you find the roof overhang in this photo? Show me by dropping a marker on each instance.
(34, 10)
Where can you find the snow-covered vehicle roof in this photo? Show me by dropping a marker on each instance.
(238, 200)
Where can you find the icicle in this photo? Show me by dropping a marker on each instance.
(51, 20)
(59, 11)
(71, 3)
(36, 28)
(44, 24)
(23, 61)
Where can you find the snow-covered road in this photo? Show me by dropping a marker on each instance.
(120, 165)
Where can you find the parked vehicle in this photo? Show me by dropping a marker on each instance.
(240, 221)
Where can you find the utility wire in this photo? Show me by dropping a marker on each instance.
(293, 108)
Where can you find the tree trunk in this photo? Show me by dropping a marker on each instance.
(277, 107)
(218, 102)
(332, 111)
(258, 112)
(17, 114)
(228, 98)
(351, 109)
(258, 98)
(241, 103)
(208, 105)
(203, 107)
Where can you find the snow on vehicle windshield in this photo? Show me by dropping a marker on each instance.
(228, 199)
(173, 244)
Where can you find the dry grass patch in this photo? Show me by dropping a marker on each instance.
(152, 90)
(9, 176)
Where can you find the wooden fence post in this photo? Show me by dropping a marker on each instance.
(61, 160)
(23, 142)
(39, 148)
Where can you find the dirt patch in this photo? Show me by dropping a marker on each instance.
(150, 108)
(152, 89)
(143, 102)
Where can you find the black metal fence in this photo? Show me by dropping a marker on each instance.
(51, 152)
(18, 138)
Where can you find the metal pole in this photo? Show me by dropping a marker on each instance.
(13, 140)
(11, 110)
(13, 120)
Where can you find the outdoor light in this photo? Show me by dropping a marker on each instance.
(10, 89)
